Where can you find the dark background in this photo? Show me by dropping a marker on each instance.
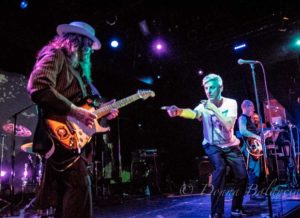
(199, 34)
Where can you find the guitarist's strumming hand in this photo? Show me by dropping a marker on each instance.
(83, 115)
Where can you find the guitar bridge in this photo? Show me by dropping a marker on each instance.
(72, 142)
(70, 127)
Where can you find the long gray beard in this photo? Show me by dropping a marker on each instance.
(86, 69)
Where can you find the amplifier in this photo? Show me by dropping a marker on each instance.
(147, 152)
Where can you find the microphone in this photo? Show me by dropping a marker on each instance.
(242, 61)
(164, 107)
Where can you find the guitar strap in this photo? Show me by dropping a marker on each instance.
(42, 140)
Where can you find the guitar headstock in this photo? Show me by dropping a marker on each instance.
(144, 94)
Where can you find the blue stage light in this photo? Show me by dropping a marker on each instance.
(114, 43)
(240, 46)
(146, 79)
(23, 4)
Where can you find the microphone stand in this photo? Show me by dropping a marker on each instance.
(1, 163)
(13, 155)
(293, 179)
(119, 151)
(1, 159)
(262, 140)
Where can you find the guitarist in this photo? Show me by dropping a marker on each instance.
(61, 78)
(249, 131)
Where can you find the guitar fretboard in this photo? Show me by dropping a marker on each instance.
(116, 105)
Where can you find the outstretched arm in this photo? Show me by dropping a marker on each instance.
(187, 113)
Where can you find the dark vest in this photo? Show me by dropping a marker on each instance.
(250, 125)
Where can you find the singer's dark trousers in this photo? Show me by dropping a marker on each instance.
(220, 158)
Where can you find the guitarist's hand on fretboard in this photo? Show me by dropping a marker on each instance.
(114, 112)
(83, 115)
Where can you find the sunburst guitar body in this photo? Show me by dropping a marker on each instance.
(74, 135)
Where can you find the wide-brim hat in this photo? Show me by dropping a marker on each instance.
(82, 28)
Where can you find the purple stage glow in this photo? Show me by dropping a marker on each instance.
(3, 173)
(159, 46)
(25, 173)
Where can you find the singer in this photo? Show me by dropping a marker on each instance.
(218, 115)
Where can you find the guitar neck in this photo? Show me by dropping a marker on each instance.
(102, 111)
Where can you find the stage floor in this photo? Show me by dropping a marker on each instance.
(195, 206)
(182, 206)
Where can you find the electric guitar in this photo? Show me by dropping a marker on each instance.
(74, 135)
(254, 146)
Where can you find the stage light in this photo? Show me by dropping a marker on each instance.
(158, 76)
(25, 174)
(23, 4)
(144, 27)
(114, 43)
(3, 173)
(294, 42)
(240, 46)
(112, 20)
(146, 79)
(159, 46)
(4, 176)
(200, 72)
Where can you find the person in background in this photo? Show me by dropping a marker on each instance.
(250, 132)
(255, 120)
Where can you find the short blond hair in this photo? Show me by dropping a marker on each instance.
(212, 76)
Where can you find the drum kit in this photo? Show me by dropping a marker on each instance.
(31, 171)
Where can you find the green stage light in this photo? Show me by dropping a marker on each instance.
(294, 42)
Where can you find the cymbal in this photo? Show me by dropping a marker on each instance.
(21, 131)
(27, 148)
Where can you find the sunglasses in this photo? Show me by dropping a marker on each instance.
(87, 49)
